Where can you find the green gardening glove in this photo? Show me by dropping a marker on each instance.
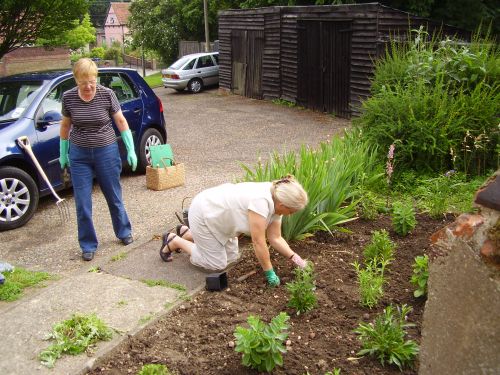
(63, 153)
(129, 144)
(272, 278)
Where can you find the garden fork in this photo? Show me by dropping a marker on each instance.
(62, 205)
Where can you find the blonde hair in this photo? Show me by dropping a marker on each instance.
(84, 68)
(290, 193)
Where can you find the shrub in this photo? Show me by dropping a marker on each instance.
(262, 344)
(420, 275)
(438, 102)
(403, 218)
(302, 289)
(385, 339)
(97, 52)
(380, 247)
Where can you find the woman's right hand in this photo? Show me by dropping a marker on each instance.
(272, 279)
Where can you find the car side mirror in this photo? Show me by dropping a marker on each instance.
(50, 118)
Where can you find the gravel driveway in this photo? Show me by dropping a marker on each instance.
(211, 133)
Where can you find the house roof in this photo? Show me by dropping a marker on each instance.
(121, 11)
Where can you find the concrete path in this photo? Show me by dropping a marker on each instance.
(211, 133)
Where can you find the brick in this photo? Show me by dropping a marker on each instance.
(466, 225)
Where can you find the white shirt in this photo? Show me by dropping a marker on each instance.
(224, 208)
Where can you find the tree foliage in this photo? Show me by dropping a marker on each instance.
(22, 22)
(82, 34)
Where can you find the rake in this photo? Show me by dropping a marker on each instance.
(62, 205)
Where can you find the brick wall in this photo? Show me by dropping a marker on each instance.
(27, 59)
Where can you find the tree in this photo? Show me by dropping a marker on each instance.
(82, 34)
(22, 22)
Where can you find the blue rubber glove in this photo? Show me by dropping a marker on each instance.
(63, 153)
(129, 144)
(272, 278)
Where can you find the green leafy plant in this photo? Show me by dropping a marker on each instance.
(336, 371)
(371, 281)
(328, 174)
(262, 344)
(420, 275)
(74, 336)
(119, 256)
(19, 279)
(155, 282)
(385, 339)
(302, 289)
(403, 218)
(154, 369)
(380, 247)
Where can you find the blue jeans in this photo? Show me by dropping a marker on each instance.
(106, 165)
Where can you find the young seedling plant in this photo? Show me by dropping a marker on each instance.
(380, 247)
(420, 275)
(371, 281)
(302, 289)
(385, 339)
(262, 344)
(403, 218)
(154, 369)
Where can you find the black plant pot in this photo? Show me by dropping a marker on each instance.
(216, 281)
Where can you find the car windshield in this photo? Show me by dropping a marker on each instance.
(179, 63)
(15, 97)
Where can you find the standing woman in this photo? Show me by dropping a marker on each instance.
(219, 214)
(88, 147)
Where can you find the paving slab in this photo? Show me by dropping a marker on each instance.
(124, 304)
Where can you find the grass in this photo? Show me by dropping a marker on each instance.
(119, 256)
(152, 282)
(154, 80)
(19, 279)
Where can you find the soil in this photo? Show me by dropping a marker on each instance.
(197, 337)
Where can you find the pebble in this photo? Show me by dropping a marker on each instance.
(230, 344)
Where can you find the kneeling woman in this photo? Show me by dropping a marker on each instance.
(219, 214)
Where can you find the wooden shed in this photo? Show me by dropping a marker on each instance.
(319, 57)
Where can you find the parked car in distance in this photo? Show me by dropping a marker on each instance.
(30, 105)
(194, 71)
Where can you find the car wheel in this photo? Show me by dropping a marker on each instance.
(18, 198)
(151, 137)
(195, 85)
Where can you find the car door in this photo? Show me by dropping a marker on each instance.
(208, 70)
(129, 96)
(47, 127)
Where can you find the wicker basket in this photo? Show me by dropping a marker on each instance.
(165, 177)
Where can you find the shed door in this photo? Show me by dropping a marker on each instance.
(247, 49)
(324, 66)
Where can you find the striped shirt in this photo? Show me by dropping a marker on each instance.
(91, 121)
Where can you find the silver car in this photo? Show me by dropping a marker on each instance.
(193, 71)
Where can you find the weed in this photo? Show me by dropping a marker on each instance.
(302, 295)
(380, 247)
(420, 275)
(385, 338)
(371, 281)
(262, 344)
(152, 282)
(146, 319)
(74, 336)
(403, 218)
(19, 279)
(122, 303)
(119, 256)
(95, 269)
(284, 102)
(154, 369)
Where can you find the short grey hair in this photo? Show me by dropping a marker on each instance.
(290, 193)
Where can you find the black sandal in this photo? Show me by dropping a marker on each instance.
(178, 230)
(167, 256)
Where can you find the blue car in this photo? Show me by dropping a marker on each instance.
(30, 105)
